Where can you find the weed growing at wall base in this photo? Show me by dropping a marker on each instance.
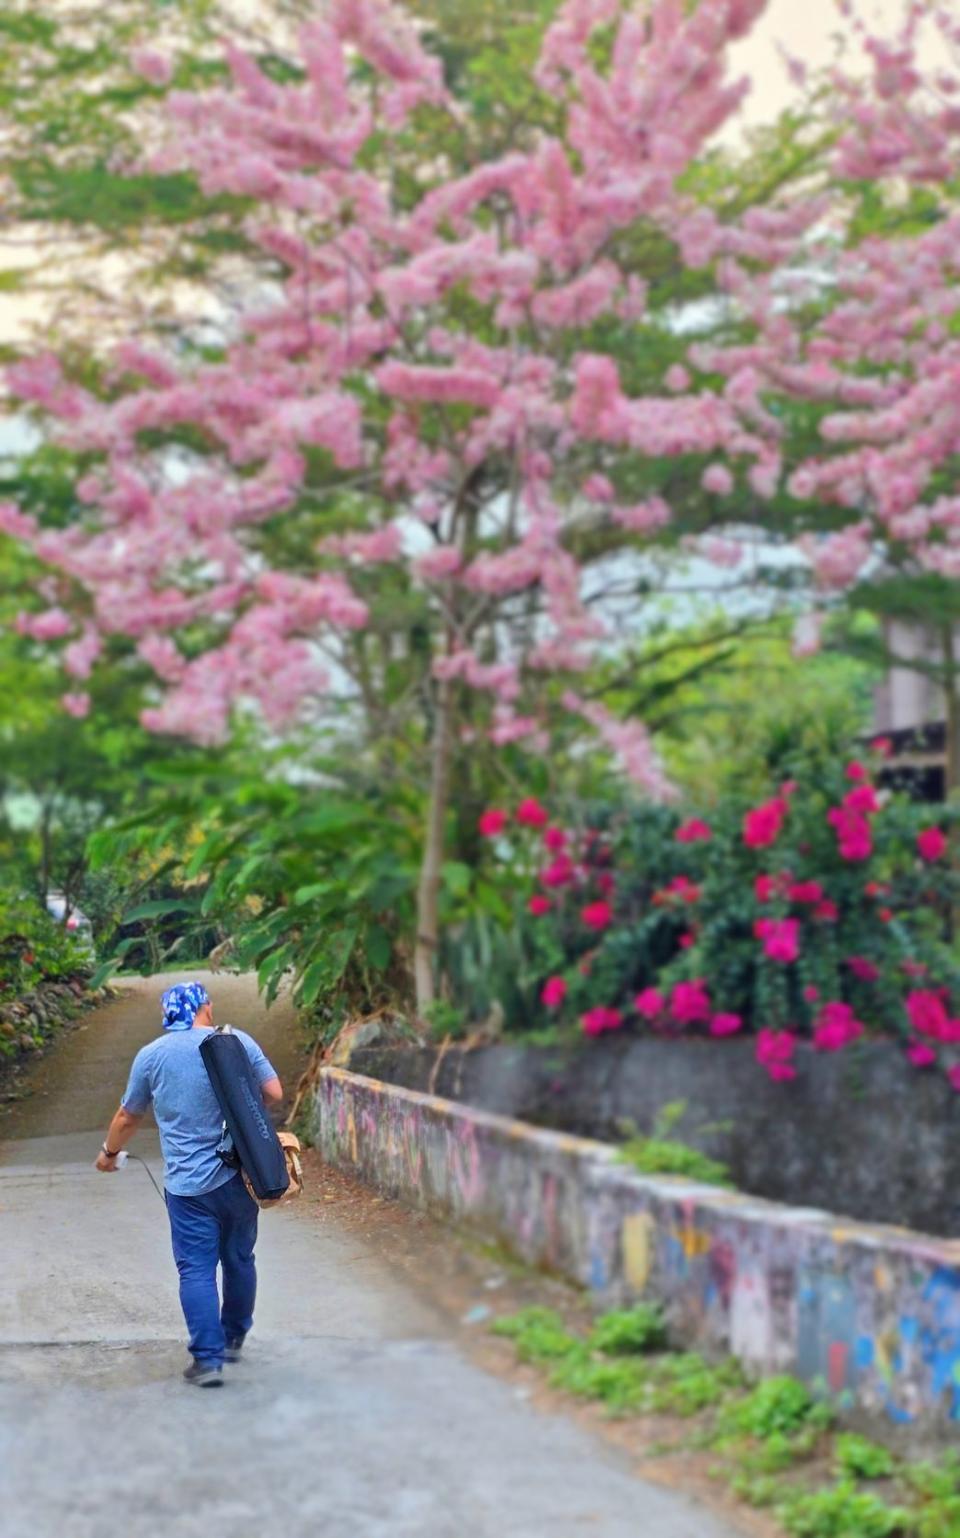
(623, 1363)
(630, 1330)
(664, 1156)
(661, 1154)
(781, 1406)
(859, 1458)
(538, 1334)
(774, 1444)
(844, 1512)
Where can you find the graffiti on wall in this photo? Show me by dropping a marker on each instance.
(868, 1316)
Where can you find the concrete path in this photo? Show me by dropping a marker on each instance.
(355, 1413)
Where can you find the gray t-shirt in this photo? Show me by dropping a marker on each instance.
(170, 1072)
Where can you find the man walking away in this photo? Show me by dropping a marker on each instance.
(213, 1219)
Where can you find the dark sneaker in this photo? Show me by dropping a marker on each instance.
(232, 1350)
(203, 1375)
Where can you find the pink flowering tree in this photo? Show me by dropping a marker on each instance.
(426, 400)
(857, 330)
(415, 383)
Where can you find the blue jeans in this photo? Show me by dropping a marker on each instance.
(217, 1228)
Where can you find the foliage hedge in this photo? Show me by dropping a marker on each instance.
(34, 948)
(823, 912)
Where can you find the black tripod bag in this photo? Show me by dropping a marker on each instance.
(254, 1138)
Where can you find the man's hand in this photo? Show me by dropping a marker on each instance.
(119, 1133)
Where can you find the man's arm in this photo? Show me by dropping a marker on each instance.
(266, 1075)
(133, 1108)
(119, 1133)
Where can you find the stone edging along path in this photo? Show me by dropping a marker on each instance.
(868, 1314)
(29, 1023)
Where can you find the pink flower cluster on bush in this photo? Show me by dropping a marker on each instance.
(851, 821)
(780, 937)
(762, 825)
(775, 1050)
(770, 928)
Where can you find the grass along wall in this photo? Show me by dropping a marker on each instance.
(869, 1315)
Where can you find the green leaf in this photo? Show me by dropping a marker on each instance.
(328, 969)
(383, 892)
(306, 894)
(246, 871)
(457, 877)
(215, 891)
(127, 945)
(190, 768)
(203, 854)
(490, 901)
(104, 971)
(274, 964)
(378, 948)
(338, 816)
(159, 907)
(313, 980)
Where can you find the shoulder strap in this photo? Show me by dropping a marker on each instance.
(225, 1138)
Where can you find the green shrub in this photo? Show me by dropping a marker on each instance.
(445, 1019)
(655, 1156)
(935, 1481)
(938, 1486)
(313, 883)
(941, 1519)
(539, 1334)
(613, 1364)
(779, 1406)
(756, 1489)
(685, 1383)
(619, 1384)
(860, 1458)
(33, 947)
(627, 1331)
(779, 1451)
(843, 1512)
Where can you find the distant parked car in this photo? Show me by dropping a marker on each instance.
(76, 923)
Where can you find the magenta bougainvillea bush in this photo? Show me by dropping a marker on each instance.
(821, 914)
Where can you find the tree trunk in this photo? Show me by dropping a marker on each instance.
(951, 714)
(428, 891)
(46, 857)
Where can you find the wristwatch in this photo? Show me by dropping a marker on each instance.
(110, 1153)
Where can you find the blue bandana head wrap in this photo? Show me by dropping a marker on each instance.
(180, 1003)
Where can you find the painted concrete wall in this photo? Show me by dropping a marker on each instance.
(870, 1315)
(859, 1132)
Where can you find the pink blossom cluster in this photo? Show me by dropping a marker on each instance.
(599, 1019)
(365, 310)
(780, 937)
(928, 1016)
(851, 822)
(762, 825)
(629, 741)
(835, 1027)
(494, 435)
(775, 1052)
